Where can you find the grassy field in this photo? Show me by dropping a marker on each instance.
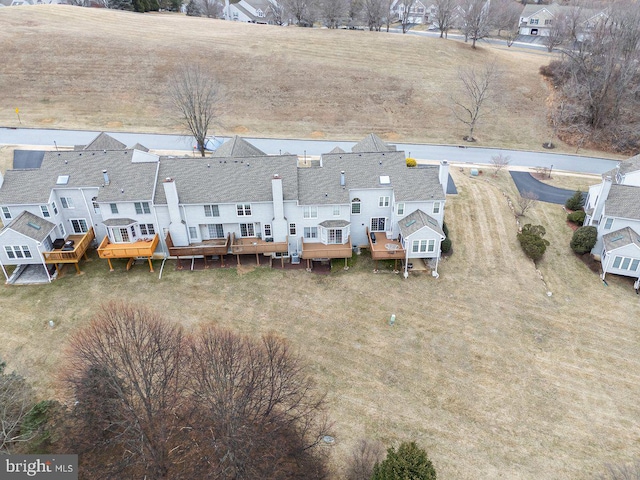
(68, 67)
(493, 376)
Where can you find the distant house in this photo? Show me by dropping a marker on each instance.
(613, 206)
(238, 202)
(249, 11)
(537, 20)
(417, 11)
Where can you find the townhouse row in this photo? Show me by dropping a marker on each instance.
(135, 204)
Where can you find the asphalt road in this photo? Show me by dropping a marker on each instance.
(452, 153)
(546, 193)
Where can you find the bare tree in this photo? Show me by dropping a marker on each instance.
(499, 162)
(445, 15)
(526, 201)
(197, 95)
(374, 13)
(469, 106)
(405, 14)
(210, 8)
(363, 458)
(276, 12)
(262, 404)
(16, 401)
(505, 15)
(476, 21)
(332, 12)
(557, 33)
(301, 10)
(129, 364)
(629, 471)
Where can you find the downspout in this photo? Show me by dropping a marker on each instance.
(406, 260)
(163, 245)
(86, 204)
(604, 273)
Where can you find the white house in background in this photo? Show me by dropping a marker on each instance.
(537, 20)
(239, 202)
(249, 11)
(613, 206)
(417, 11)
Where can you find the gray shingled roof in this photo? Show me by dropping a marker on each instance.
(321, 185)
(334, 223)
(628, 166)
(337, 150)
(119, 222)
(621, 238)
(128, 181)
(372, 143)
(140, 147)
(27, 224)
(623, 201)
(417, 220)
(237, 147)
(104, 142)
(207, 180)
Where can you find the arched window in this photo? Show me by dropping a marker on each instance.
(355, 206)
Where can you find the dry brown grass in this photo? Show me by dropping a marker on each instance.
(68, 67)
(492, 376)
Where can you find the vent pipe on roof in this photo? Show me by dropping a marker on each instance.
(342, 179)
(106, 177)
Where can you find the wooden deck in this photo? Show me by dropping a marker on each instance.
(311, 251)
(80, 246)
(257, 246)
(385, 249)
(218, 246)
(130, 250)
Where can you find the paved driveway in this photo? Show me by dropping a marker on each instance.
(546, 193)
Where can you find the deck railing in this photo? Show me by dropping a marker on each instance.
(320, 250)
(71, 256)
(141, 248)
(247, 246)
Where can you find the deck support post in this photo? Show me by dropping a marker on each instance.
(238, 255)
(222, 260)
(258, 259)
(77, 268)
(282, 261)
(110, 266)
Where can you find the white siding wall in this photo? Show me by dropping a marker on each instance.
(9, 237)
(423, 234)
(369, 209)
(629, 251)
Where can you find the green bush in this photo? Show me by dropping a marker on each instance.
(409, 462)
(576, 202)
(584, 239)
(445, 245)
(577, 217)
(411, 162)
(532, 242)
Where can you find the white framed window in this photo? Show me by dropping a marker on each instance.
(533, 21)
(310, 232)
(211, 211)
(336, 210)
(401, 209)
(114, 208)
(96, 207)
(310, 212)
(6, 213)
(67, 202)
(292, 229)
(216, 230)
(267, 230)
(431, 245)
(55, 208)
(378, 224)
(142, 207)
(420, 246)
(383, 201)
(14, 251)
(436, 207)
(548, 22)
(355, 206)
(121, 235)
(608, 223)
(626, 263)
(79, 225)
(147, 229)
(45, 211)
(243, 209)
(193, 233)
(247, 230)
(63, 232)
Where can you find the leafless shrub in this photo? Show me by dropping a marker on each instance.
(364, 456)
(16, 401)
(525, 202)
(499, 162)
(629, 471)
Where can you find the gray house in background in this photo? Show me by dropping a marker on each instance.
(240, 202)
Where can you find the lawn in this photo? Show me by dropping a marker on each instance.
(68, 67)
(494, 377)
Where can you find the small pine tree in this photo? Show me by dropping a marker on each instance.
(409, 462)
(584, 239)
(575, 202)
(532, 242)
